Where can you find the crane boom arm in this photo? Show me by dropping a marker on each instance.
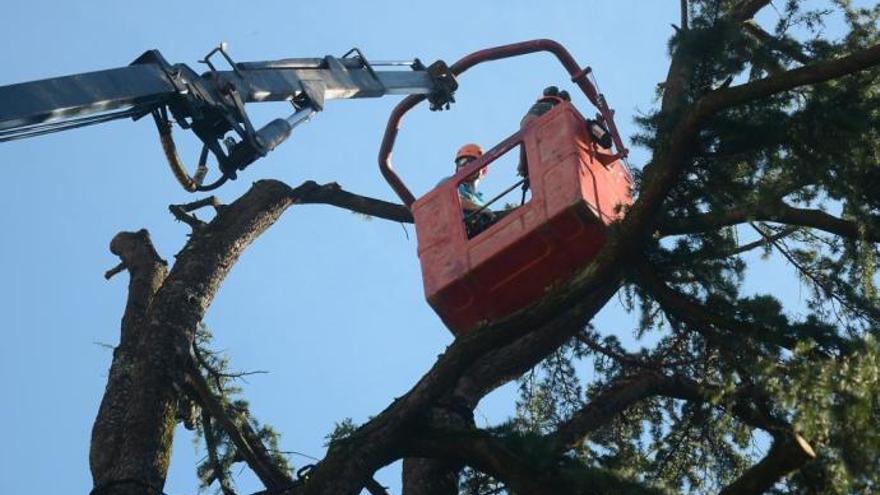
(212, 104)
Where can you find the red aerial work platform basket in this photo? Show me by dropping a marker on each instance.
(577, 190)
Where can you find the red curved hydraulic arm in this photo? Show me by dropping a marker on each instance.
(578, 76)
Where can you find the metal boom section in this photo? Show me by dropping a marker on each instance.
(212, 104)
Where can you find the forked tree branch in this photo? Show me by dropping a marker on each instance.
(132, 435)
(682, 64)
(627, 391)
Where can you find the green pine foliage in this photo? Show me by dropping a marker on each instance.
(221, 452)
(814, 366)
(837, 404)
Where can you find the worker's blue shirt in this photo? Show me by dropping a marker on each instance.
(468, 191)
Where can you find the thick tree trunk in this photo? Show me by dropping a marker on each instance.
(132, 435)
(429, 477)
(438, 476)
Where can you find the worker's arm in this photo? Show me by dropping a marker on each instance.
(467, 204)
(471, 199)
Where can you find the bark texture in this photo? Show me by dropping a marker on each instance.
(132, 435)
(131, 439)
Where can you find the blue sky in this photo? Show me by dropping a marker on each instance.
(331, 304)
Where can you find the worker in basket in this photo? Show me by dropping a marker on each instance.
(551, 97)
(477, 216)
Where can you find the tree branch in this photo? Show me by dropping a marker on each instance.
(773, 212)
(182, 212)
(818, 280)
(786, 455)
(683, 8)
(603, 408)
(625, 359)
(251, 449)
(375, 488)
(699, 318)
(116, 270)
(147, 272)
(220, 473)
(134, 429)
(682, 64)
(764, 241)
(333, 194)
(809, 74)
(511, 463)
(740, 404)
(118, 466)
(747, 9)
(785, 46)
(627, 391)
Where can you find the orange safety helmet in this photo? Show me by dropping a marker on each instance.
(474, 151)
(469, 150)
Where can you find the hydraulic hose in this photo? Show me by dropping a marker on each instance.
(190, 183)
